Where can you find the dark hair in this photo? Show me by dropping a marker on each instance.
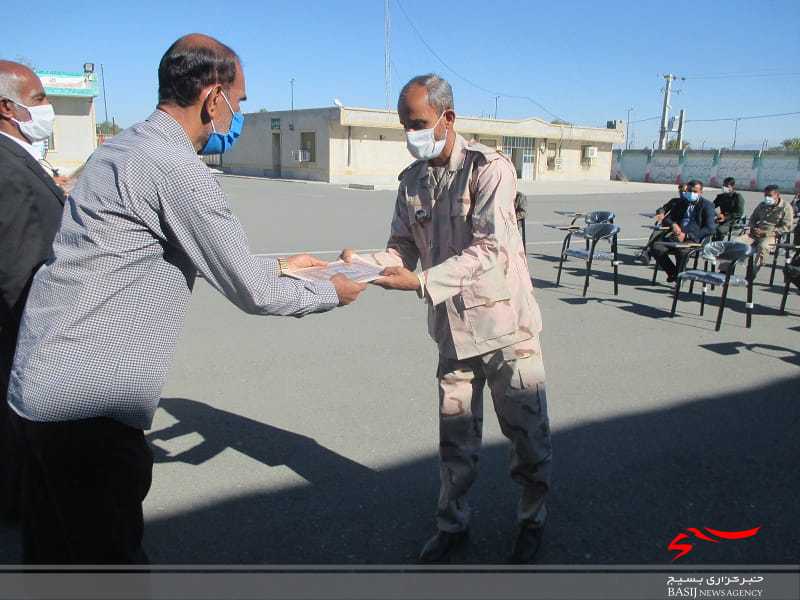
(771, 188)
(693, 183)
(729, 181)
(186, 68)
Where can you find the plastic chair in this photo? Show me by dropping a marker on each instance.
(791, 274)
(714, 252)
(781, 241)
(593, 233)
(696, 253)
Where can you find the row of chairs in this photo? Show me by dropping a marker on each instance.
(599, 226)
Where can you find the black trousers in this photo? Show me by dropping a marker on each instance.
(83, 483)
(661, 253)
(9, 444)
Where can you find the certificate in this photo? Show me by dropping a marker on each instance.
(357, 270)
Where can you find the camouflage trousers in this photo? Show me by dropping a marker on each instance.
(516, 380)
(762, 247)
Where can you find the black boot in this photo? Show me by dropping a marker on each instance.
(527, 544)
(440, 546)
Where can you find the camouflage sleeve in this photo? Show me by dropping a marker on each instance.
(785, 223)
(496, 188)
(401, 249)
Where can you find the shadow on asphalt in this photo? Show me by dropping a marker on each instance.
(623, 488)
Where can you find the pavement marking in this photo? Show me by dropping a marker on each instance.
(540, 243)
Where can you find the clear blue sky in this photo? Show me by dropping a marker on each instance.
(584, 60)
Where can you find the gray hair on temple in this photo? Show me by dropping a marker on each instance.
(440, 94)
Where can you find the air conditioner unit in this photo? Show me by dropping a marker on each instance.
(590, 152)
(301, 155)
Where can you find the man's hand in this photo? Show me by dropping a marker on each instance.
(681, 237)
(347, 289)
(660, 217)
(398, 278)
(347, 255)
(301, 261)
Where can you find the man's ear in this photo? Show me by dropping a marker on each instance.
(7, 109)
(210, 105)
(450, 117)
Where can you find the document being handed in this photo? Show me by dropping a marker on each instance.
(358, 270)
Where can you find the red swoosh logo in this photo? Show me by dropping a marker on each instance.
(684, 548)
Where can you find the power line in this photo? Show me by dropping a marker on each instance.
(647, 119)
(465, 79)
(742, 118)
(741, 75)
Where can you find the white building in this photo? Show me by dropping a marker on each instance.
(74, 136)
(367, 146)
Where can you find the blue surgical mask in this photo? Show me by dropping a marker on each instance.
(219, 143)
(692, 196)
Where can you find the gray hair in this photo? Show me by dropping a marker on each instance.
(440, 94)
(11, 85)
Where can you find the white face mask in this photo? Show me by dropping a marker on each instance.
(423, 144)
(727, 189)
(40, 127)
(770, 200)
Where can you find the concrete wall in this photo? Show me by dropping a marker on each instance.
(711, 167)
(372, 154)
(74, 133)
(367, 155)
(252, 154)
(573, 167)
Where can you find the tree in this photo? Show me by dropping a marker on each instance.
(792, 144)
(560, 122)
(108, 128)
(673, 145)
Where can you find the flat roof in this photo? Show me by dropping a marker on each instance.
(533, 127)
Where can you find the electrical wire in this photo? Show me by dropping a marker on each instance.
(742, 118)
(465, 79)
(741, 75)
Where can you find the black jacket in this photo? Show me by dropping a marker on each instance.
(30, 214)
(731, 205)
(702, 223)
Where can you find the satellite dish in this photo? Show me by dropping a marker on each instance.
(338, 102)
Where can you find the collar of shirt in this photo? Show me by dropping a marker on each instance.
(171, 128)
(29, 148)
(457, 157)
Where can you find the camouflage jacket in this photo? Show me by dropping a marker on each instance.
(775, 219)
(464, 232)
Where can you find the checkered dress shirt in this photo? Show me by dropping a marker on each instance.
(104, 312)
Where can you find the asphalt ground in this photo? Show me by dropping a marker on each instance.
(314, 440)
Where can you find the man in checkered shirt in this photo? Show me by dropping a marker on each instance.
(104, 312)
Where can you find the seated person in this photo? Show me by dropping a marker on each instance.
(691, 220)
(796, 208)
(730, 207)
(661, 213)
(770, 220)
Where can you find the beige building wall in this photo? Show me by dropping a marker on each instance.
(573, 164)
(74, 133)
(367, 146)
(256, 152)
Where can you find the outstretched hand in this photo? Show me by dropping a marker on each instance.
(302, 261)
(398, 278)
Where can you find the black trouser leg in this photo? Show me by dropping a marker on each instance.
(661, 254)
(83, 486)
(10, 453)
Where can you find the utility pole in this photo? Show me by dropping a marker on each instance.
(496, 98)
(627, 129)
(291, 84)
(735, 131)
(387, 55)
(662, 135)
(680, 129)
(105, 100)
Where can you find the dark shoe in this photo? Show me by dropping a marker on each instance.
(440, 547)
(527, 544)
(644, 256)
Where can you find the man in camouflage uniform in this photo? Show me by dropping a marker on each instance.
(455, 214)
(771, 219)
